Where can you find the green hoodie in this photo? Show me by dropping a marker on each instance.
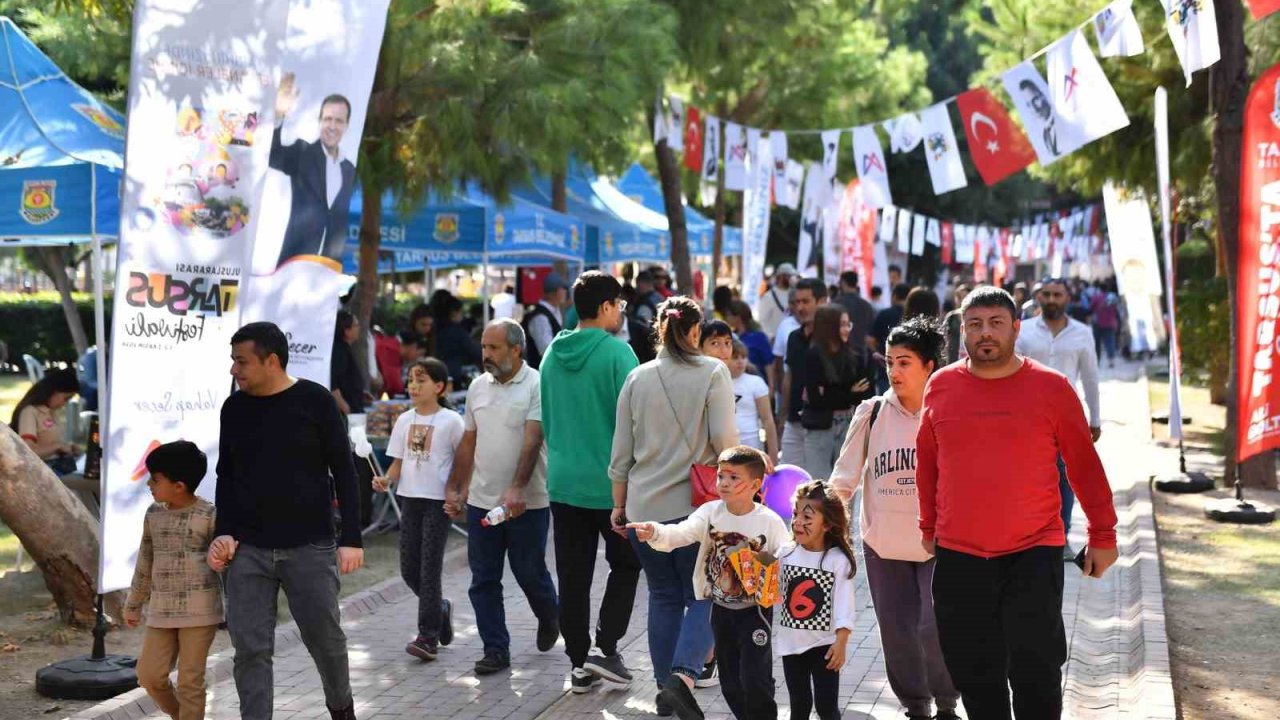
(581, 377)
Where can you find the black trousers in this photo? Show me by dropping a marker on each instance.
(577, 534)
(424, 530)
(744, 654)
(810, 683)
(1000, 626)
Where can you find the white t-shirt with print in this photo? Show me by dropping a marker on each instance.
(747, 388)
(815, 598)
(425, 445)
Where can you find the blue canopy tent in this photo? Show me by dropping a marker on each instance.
(610, 239)
(61, 158)
(638, 185)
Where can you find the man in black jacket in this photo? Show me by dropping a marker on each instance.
(322, 179)
(283, 454)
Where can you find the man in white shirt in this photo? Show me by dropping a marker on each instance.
(1054, 339)
(772, 306)
(502, 462)
(545, 320)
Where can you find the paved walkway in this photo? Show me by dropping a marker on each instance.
(1118, 665)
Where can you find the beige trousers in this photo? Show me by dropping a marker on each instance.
(188, 648)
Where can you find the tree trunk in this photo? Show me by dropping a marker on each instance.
(53, 260)
(55, 528)
(1230, 88)
(673, 199)
(560, 203)
(365, 295)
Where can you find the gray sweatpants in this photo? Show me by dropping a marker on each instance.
(902, 593)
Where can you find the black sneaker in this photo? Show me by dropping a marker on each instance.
(422, 649)
(548, 634)
(664, 708)
(492, 663)
(708, 678)
(446, 622)
(680, 698)
(581, 681)
(609, 667)
(947, 715)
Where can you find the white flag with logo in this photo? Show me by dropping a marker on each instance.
(1030, 96)
(872, 170)
(888, 223)
(964, 238)
(904, 230)
(778, 150)
(711, 149)
(946, 170)
(817, 195)
(735, 156)
(794, 183)
(1117, 30)
(917, 234)
(1193, 28)
(675, 124)
(905, 132)
(1083, 98)
(830, 154)
(933, 232)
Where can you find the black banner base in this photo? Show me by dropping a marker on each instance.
(1231, 510)
(84, 678)
(1184, 483)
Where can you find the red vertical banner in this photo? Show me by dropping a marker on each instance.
(693, 140)
(981, 245)
(856, 234)
(1003, 260)
(948, 242)
(1258, 274)
(1263, 8)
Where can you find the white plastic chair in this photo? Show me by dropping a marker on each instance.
(35, 368)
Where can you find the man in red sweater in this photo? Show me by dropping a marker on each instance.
(993, 519)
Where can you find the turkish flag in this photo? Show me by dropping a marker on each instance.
(998, 147)
(948, 242)
(1263, 8)
(693, 139)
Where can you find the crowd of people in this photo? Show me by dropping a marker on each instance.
(957, 421)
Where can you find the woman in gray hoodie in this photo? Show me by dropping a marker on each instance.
(674, 412)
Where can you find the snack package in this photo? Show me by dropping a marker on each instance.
(747, 569)
(769, 585)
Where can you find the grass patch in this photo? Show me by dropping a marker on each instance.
(1207, 429)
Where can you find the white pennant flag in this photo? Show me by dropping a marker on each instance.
(904, 230)
(735, 156)
(868, 155)
(964, 237)
(711, 149)
(1117, 30)
(778, 149)
(905, 132)
(917, 234)
(753, 153)
(933, 232)
(946, 170)
(830, 154)
(1082, 97)
(1031, 97)
(675, 124)
(888, 223)
(1193, 28)
(795, 183)
(817, 195)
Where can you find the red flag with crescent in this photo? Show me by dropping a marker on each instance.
(693, 138)
(998, 147)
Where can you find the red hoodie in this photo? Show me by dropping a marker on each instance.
(986, 471)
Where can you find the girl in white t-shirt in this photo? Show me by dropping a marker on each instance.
(815, 589)
(753, 411)
(422, 446)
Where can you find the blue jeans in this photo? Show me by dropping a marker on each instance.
(679, 623)
(1068, 496)
(523, 541)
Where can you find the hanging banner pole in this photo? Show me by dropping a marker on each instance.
(1175, 351)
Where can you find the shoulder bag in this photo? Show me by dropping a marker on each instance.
(702, 478)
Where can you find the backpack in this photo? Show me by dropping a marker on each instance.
(532, 353)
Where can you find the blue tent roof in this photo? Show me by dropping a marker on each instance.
(52, 133)
(637, 184)
(610, 239)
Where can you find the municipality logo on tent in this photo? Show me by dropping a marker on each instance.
(37, 201)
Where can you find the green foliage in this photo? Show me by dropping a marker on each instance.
(1195, 260)
(89, 40)
(1204, 327)
(35, 325)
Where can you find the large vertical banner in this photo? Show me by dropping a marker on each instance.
(1133, 255)
(326, 72)
(856, 233)
(200, 89)
(1258, 276)
(755, 218)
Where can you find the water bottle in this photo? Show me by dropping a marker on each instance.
(495, 516)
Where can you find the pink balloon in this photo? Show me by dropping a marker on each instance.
(780, 489)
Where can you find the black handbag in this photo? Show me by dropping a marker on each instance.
(812, 418)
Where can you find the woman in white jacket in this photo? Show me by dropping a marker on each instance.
(879, 454)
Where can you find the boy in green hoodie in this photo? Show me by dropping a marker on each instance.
(582, 374)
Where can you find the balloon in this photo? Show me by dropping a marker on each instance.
(780, 488)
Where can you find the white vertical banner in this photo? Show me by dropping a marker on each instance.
(755, 218)
(778, 151)
(795, 185)
(735, 156)
(1133, 256)
(830, 154)
(711, 149)
(1162, 176)
(964, 239)
(675, 124)
(327, 73)
(888, 223)
(817, 195)
(918, 229)
(946, 170)
(200, 82)
(904, 230)
(933, 232)
(868, 155)
(831, 237)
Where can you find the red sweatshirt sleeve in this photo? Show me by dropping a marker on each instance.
(1084, 469)
(927, 473)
